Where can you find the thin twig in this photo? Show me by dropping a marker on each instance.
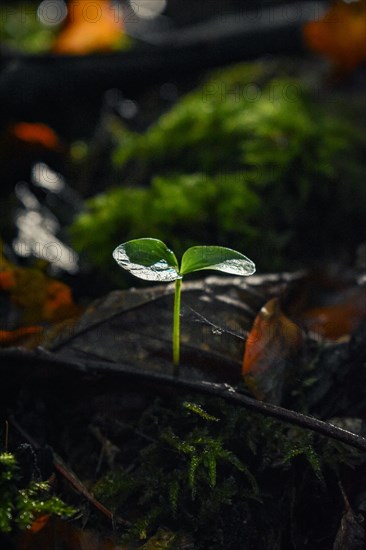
(226, 392)
(229, 394)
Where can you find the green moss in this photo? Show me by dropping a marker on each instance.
(223, 475)
(22, 30)
(20, 507)
(183, 210)
(246, 160)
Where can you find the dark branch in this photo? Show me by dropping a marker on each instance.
(231, 395)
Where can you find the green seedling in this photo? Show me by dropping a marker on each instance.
(152, 260)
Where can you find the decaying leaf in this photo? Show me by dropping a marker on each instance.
(272, 343)
(36, 134)
(39, 297)
(57, 533)
(18, 335)
(329, 306)
(90, 27)
(39, 523)
(340, 35)
(336, 321)
(134, 327)
(35, 300)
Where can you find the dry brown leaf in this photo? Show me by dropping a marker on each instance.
(340, 35)
(272, 342)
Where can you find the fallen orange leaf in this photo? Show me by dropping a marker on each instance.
(11, 337)
(39, 523)
(272, 342)
(38, 298)
(90, 26)
(340, 35)
(36, 134)
(7, 280)
(337, 320)
(59, 303)
(58, 533)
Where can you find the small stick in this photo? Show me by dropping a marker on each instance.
(224, 391)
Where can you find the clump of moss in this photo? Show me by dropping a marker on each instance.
(19, 507)
(224, 477)
(188, 209)
(246, 160)
(22, 30)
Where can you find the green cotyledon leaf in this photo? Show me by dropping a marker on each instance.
(219, 258)
(148, 259)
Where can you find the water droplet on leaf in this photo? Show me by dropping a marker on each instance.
(146, 266)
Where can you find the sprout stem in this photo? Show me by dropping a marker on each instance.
(176, 325)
